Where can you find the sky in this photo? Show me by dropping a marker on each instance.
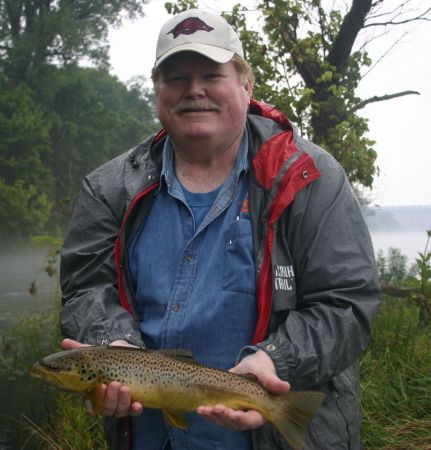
(401, 127)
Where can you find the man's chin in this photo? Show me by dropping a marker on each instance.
(190, 133)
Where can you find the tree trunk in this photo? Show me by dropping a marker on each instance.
(414, 294)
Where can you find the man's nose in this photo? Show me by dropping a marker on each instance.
(196, 87)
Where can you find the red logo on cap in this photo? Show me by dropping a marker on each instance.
(190, 26)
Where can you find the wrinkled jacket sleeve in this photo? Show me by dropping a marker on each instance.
(336, 279)
(91, 310)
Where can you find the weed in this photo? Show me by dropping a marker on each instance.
(396, 392)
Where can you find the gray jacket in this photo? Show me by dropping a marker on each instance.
(317, 287)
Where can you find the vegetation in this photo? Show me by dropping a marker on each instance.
(63, 422)
(35, 34)
(72, 427)
(396, 394)
(59, 119)
(414, 284)
(308, 62)
(315, 54)
(396, 398)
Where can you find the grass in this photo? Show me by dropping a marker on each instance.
(396, 380)
(67, 425)
(71, 427)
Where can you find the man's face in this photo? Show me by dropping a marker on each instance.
(201, 100)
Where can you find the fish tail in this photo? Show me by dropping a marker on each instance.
(294, 414)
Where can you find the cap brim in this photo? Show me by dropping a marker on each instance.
(217, 54)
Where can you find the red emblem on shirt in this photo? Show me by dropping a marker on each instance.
(190, 26)
(244, 207)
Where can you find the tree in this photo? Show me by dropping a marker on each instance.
(24, 135)
(58, 120)
(393, 268)
(38, 32)
(24, 180)
(24, 211)
(94, 117)
(308, 62)
(395, 281)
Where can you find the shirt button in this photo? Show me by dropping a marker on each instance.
(305, 175)
(189, 258)
(176, 307)
(270, 347)
(334, 395)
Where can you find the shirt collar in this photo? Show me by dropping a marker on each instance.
(168, 169)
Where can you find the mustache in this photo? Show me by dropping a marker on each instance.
(196, 105)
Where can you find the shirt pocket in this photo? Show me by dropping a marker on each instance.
(238, 265)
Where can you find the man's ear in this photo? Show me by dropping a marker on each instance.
(248, 86)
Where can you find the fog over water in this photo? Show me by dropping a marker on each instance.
(401, 227)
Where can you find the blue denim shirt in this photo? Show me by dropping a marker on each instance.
(195, 289)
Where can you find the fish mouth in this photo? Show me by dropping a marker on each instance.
(40, 372)
(49, 376)
(37, 370)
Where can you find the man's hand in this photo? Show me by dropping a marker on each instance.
(117, 398)
(261, 366)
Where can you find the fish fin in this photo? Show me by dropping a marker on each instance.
(123, 347)
(295, 413)
(175, 418)
(95, 398)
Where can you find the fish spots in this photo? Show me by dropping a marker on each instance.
(160, 378)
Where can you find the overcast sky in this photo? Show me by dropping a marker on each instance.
(400, 127)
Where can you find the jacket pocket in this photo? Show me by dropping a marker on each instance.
(238, 265)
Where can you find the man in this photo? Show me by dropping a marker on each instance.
(229, 235)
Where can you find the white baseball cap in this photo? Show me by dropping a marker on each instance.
(198, 31)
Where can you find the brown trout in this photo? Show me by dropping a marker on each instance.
(171, 380)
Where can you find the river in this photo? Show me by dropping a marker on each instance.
(17, 274)
(409, 242)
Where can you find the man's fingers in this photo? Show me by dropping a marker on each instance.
(111, 399)
(230, 418)
(70, 344)
(117, 400)
(124, 402)
(273, 384)
(135, 409)
(262, 367)
(122, 343)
